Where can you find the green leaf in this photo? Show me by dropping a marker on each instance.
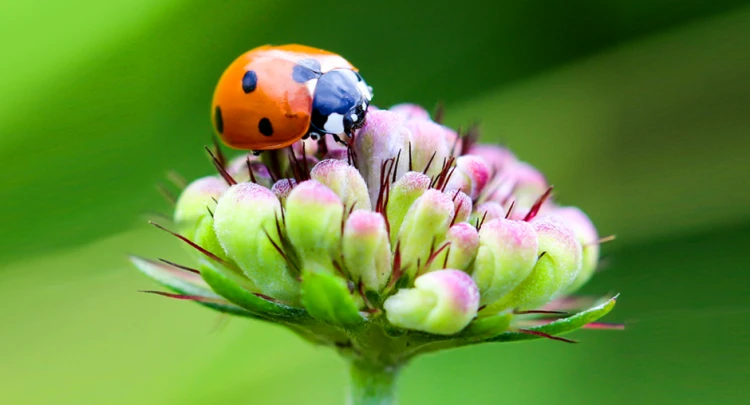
(229, 286)
(560, 326)
(181, 281)
(189, 286)
(327, 298)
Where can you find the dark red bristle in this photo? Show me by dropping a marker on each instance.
(429, 163)
(220, 168)
(191, 243)
(168, 196)
(219, 153)
(545, 335)
(538, 205)
(179, 266)
(510, 209)
(250, 170)
(197, 298)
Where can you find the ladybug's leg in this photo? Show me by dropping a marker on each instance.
(322, 146)
(339, 140)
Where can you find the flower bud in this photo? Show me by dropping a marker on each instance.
(463, 242)
(282, 188)
(471, 175)
(428, 146)
(403, 193)
(424, 226)
(487, 211)
(195, 202)
(462, 206)
(313, 222)
(366, 249)
(497, 157)
(441, 302)
(205, 237)
(238, 169)
(587, 236)
(245, 225)
(382, 137)
(344, 180)
(528, 184)
(410, 111)
(506, 256)
(558, 265)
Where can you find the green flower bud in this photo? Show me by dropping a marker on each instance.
(344, 180)
(403, 193)
(558, 265)
(587, 236)
(367, 250)
(314, 217)
(442, 302)
(506, 256)
(195, 203)
(245, 225)
(424, 227)
(205, 237)
(463, 243)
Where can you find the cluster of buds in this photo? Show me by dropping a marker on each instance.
(412, 234)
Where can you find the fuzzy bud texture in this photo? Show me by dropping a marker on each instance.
(413, 223)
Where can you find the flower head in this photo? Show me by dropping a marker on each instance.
(411, 234)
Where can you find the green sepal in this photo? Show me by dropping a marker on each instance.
(488, 326)
(560, 326)
(188, 284)
(327, 298)
(229, 286)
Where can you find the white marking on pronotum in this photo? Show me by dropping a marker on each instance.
(310, 84)
(334, 124)
(364, 90)
(354, 117)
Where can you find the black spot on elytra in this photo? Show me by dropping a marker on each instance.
(218, 120)
(249, 81)
(265, 127)
(306, 69)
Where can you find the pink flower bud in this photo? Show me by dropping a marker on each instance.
(383, 137)
(410, 111)
(471, 176)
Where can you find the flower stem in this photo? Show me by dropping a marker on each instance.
(372, 384)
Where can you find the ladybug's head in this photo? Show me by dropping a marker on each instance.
(340, 102)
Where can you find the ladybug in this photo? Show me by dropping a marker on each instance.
(272, 96)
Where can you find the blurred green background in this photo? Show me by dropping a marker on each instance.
(637, 110)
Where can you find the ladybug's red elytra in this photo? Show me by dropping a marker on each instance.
(273, 96)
